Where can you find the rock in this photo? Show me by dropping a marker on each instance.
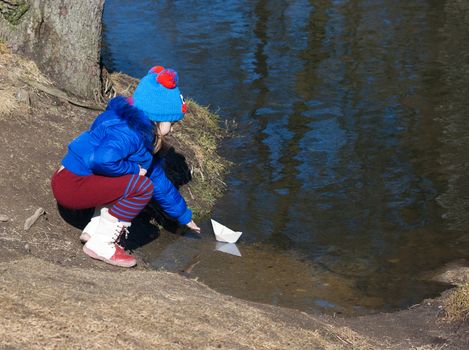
(23, 96)
(4, 218)
(457, 276)
(456, 272)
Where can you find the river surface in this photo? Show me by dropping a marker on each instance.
(351, 149)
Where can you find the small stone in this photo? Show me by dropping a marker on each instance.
(23, 96)
(4, 218)
(27, 248)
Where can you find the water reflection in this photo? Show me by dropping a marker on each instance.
(353, 147)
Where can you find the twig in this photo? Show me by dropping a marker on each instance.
(32, 219)
(343, 340)
(201, 174)
(190, 192)
(223, 183)
(187, 271)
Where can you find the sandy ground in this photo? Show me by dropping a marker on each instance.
(53, 297)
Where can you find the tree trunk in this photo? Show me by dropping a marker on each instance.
(62, 36)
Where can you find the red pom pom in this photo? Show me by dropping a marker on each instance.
(168, 78)
(184, 108)
(157, 69)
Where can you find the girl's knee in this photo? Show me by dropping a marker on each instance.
(147, 185)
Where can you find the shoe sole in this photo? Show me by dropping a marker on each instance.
(93, 255)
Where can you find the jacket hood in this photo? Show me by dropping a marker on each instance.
(135, 119)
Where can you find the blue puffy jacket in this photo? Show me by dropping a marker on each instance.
(119, 140)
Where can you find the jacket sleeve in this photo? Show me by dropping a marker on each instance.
(167, 195)
(110, 158)
(142, 156)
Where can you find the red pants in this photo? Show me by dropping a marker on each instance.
(127, 194)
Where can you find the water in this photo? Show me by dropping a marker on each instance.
(352, 156)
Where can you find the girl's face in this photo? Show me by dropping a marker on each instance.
(164, 128)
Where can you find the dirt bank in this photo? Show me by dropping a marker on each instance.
(52, 296)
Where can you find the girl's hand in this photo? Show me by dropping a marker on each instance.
(192, 225)
(142, 171)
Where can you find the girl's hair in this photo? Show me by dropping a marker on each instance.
(158, 144)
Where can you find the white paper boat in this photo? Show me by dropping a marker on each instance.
(229, 248)
(224, 234)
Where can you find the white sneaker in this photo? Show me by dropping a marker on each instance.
(102, 243)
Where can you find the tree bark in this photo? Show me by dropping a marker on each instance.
(62, 36)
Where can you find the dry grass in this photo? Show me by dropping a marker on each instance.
(3, 48)
(18, 68)
(119, 84)
(45, 306)
(15, 69)
(8, 102)
(456, 305)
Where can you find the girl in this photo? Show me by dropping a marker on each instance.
(112, 166)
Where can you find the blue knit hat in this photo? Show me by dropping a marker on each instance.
(158, 96)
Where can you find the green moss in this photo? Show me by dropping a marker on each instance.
(15, 14)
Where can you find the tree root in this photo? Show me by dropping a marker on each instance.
(62, 95)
